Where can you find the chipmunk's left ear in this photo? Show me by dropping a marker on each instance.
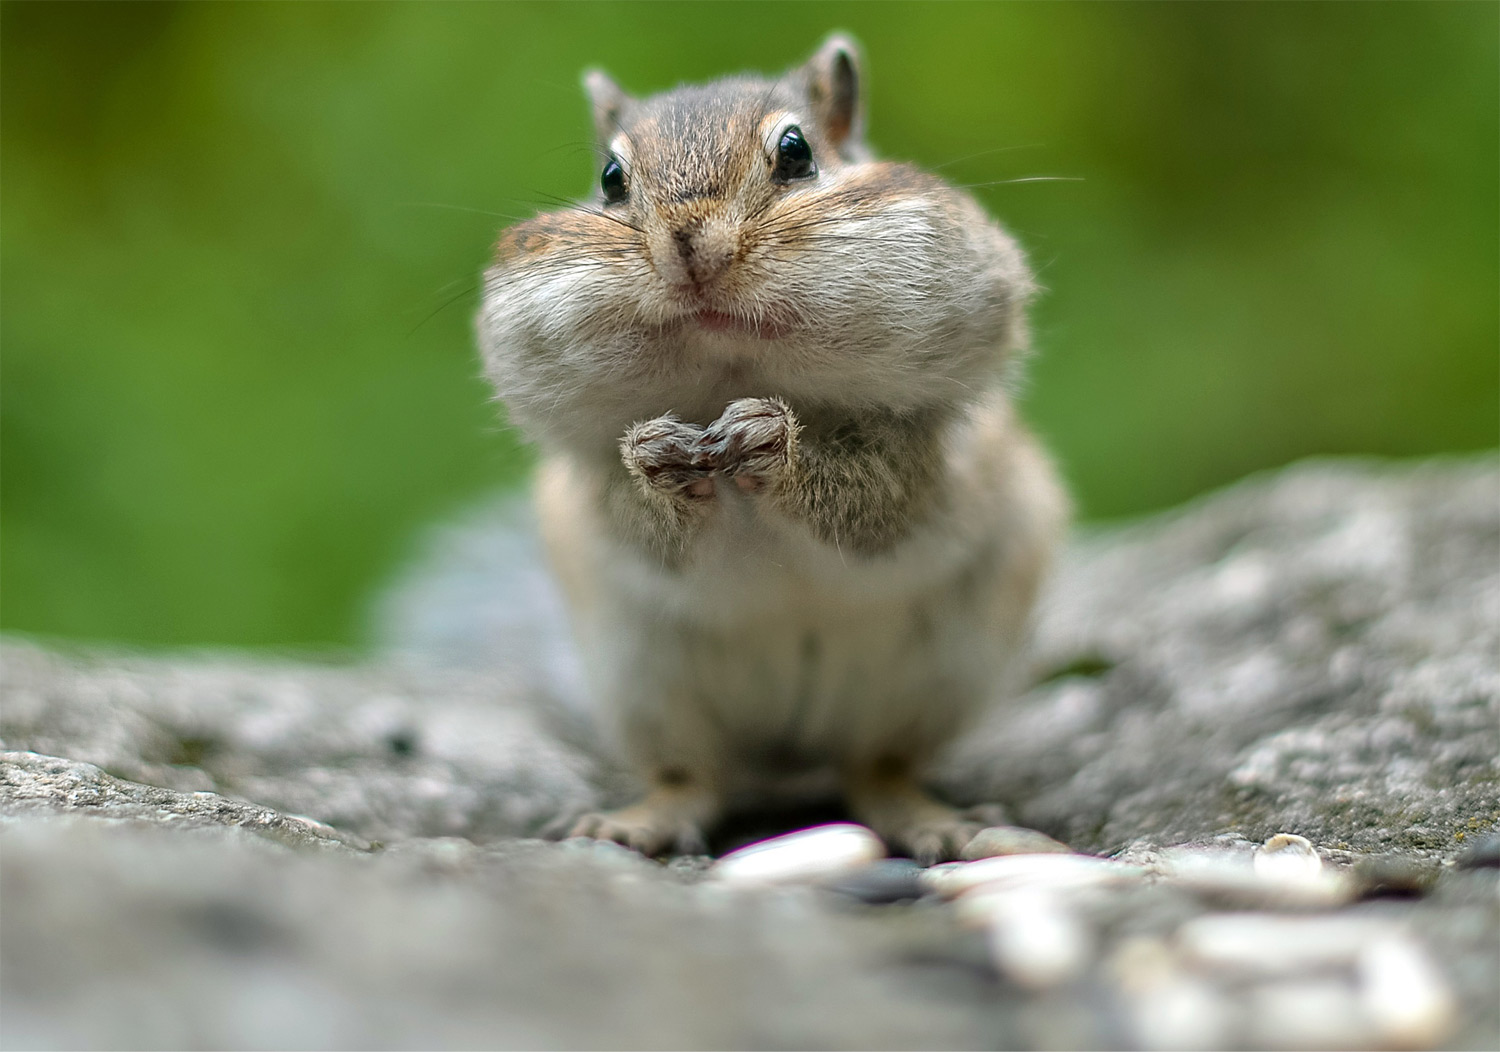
(609, 102)
(833, 88)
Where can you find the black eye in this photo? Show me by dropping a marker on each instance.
(612, 182)
(794, 158)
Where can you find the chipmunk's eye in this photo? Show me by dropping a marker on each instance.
(612, 182)
(794, 159)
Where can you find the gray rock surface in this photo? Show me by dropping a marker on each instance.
(123, 930)
(377, 751)
(1315, 651)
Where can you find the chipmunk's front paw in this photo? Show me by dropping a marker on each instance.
(663, 454)
(753, 442)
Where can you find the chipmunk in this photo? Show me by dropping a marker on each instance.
(795, 517)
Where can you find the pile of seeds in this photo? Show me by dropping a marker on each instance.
(1201, 947)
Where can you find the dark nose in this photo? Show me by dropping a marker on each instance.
(705, 249)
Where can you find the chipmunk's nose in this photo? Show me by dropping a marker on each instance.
(705, 249)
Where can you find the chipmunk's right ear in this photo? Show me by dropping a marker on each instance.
(609, 101)
(833, 87)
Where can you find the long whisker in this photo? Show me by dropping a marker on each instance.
(578, 206)
(469, 288)
(1024, 179)
(461, 208)
(988, 153)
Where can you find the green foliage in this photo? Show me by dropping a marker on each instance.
(241, 242)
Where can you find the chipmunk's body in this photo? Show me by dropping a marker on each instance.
(795, 518)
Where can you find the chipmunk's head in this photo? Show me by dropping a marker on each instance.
(741, 241)
(703, 173)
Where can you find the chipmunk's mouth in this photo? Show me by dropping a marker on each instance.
(718, 321)
(722, 321)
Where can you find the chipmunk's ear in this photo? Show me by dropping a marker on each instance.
(833, 88)
(609, 101)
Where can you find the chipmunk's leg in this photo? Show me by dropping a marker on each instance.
(672, 817)
(884, 794)
(860, 485)
(669, 489)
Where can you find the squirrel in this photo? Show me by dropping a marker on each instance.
(796, 520)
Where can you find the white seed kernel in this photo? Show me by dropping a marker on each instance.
(803, 857)
(1269, 944)
(1037, 941)
(1054, 872)
(1404, 994)
(1287, 856)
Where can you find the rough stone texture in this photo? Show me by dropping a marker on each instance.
(1313, 651)
(130, 933)
(36, 786)
(376, 751)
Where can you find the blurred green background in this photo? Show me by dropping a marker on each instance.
(240, 242)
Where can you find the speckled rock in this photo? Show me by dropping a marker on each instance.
(36, 786)
(215, 850)
(1315, 650)
(375, 750)
(123, 935)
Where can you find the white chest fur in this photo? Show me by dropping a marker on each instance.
(772, 645)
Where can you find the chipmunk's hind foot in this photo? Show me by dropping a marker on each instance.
(671, 820)
(888, 799)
